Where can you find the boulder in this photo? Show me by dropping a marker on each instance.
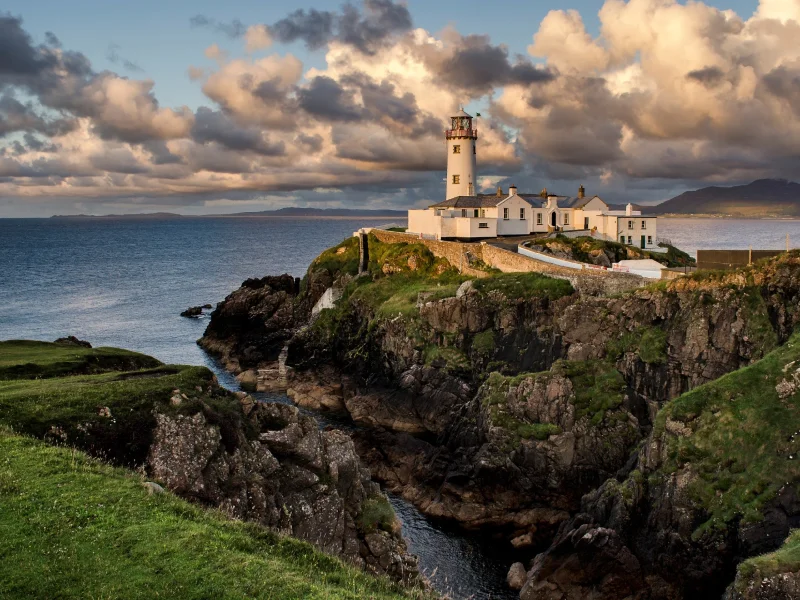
(516, 576)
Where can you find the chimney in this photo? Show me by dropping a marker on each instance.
(629, 209)
(499, 192)
(581, 192)
(543, 193)
(512, 191)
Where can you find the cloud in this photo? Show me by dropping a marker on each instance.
(365, 30)
(18, 56)
(326, 99)
(666, 95)
(473, 64)
(257, 37)
(214, 126)
(112, 55)
(233, 29)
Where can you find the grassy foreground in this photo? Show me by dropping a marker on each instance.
(73, 527)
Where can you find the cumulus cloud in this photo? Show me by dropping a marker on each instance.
(365, 30)
(666, 95)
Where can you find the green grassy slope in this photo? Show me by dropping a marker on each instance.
(25, 359)
(73, 527)
(738, 436)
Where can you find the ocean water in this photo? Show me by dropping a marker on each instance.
(123, 282)
(729, 234)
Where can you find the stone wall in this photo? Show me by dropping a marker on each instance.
(588, 282)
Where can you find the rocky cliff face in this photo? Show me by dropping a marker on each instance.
(576, 387)
(287, 475)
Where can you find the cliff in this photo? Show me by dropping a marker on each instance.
(500, 402)
(258, 462)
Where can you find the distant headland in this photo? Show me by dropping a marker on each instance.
(290, 212)
(763, 198)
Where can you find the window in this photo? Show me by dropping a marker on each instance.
(456, 179)
(505, 214)
(566, 218)
(622, 239)
(630, 240)
(644, 224)
(463, 212)
(630, 223)
(649, 240)
(522, 214)
(483, 213)
(538, 218)
(473, 149)
(477, 213)
(456, 149)
(483, 226)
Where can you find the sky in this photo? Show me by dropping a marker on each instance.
(208, 107)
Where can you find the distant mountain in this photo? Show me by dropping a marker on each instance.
(761, 198)
(157, 215)
(322, 212)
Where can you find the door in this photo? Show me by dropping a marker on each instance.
(622, 239)
(643, 244)
(553, 218)
(586, 222)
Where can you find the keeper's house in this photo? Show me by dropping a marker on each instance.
(465, 215)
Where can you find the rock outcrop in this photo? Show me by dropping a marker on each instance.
(290, 477)
(576, 386)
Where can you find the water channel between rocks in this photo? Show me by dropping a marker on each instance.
(461, 565)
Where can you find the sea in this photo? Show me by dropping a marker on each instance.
(124, 281)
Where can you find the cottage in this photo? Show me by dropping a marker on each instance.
(465, 215)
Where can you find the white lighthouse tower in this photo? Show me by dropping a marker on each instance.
(461, 155)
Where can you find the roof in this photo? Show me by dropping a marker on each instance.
(461, 113)
(479, 201)
(578, 202)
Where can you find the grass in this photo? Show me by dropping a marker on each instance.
(339, 260)
(377, 514)
(495, 392)
(649, 342)
(25, 359)
(785, 559)
(73, 527)
(70, 408)
(525, 285)
(483, 343)
(597, 385)
(583, 248)
(741, 441)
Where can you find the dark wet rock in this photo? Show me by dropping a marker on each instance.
(193, 313)
(73, 341)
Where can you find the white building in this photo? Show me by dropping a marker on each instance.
(465, 215)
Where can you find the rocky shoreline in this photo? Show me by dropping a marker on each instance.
(511, 406)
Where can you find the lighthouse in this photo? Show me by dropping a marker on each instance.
(461, 155)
